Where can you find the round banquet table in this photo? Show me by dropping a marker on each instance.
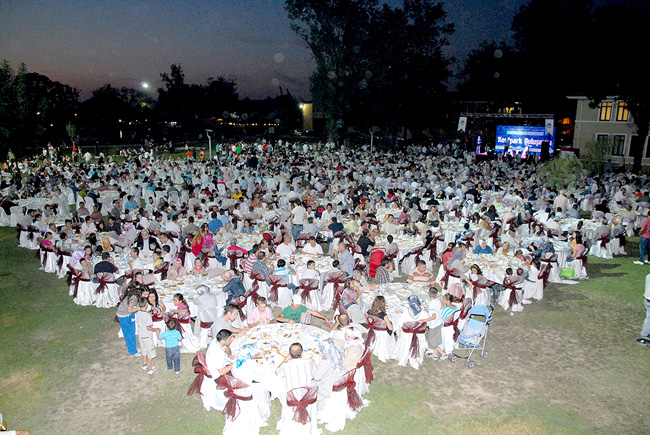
(262, 349)
(187, 285)
(396, 295)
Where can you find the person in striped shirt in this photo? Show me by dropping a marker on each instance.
(420, 275)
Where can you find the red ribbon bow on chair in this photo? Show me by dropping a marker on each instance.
(604, 240)
(234, 255)
(366, 362)
(514, 296)
(544, 273)
(452, 320)
(240, 301)
(230, 384)
(347, 381)
(374, 323)
(276, 282)
(478, 284)
(301, 415)
(417, 252)
(414, 328)
(77, 277)
(308, 285)
(162, 269)
(337, 280)
(444, 281)
(201, 370)
(104, 279)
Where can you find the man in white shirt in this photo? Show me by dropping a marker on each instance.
(313, 247)
(295, 370)
(328, 213)
(219, 361)
(135, 263)
(286, 248)
(298, 215)
(389, 226)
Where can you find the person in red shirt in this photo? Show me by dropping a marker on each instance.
(644, 242)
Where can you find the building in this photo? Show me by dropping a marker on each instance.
(611, 120)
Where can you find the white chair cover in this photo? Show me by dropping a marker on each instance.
(287, 426)
(85, 291)
(110, 297)
(404, 347)
(254, 413)
(534, 287)
(336, 409)
(16, 215)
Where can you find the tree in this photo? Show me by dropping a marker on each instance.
(489, 73)
(337, 33)
(374, 65)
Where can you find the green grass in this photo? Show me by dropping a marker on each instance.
(568, 364)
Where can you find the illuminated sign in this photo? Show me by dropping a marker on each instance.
(522, 140)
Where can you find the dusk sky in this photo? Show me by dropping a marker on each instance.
(87, 44)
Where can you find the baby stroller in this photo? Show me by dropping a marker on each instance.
(474, 334)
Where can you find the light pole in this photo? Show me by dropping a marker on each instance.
(208, 131)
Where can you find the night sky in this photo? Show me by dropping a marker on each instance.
(89, 43)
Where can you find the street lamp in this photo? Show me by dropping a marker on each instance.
(208, 131)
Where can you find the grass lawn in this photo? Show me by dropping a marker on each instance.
(568, 364)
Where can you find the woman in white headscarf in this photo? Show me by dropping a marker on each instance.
(326, 371)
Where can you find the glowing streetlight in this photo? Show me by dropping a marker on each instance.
(145, 85)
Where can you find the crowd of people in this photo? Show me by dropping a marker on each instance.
(322, 202)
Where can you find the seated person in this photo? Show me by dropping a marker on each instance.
(420, 275)
(312, 247)
(483, 248)
(294, 313)
(261, 315)
(349, 337)
(234, 286)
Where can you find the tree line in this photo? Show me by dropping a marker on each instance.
(377, 66)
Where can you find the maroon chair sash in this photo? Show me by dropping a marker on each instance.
(366, 362)
(452, 320)
(300, 414)
(104, 279)
(515, 298)
(414, 328)
(307, 286)
(234, 255)
(337, 280)
(374, 323)
(347, 382)
(478, 284)
(230, 384)
(241, 303)
(417, 252)
(604, 240)
(444, 281)
(544, 273)
(162, 269)
(201, 370)
(77, 277)
(275, 283)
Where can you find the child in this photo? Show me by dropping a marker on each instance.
(145, 335)
(198, 269)
(172, 339)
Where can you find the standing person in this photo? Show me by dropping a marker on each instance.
(644, 242)
(172, 338)
(145, 335)
(126, 316)
(644, 339)
(298, 215)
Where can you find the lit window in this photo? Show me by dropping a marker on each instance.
(606, 111)
(618, 144)
(622, 114)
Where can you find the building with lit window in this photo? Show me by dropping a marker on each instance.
(611, 120)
